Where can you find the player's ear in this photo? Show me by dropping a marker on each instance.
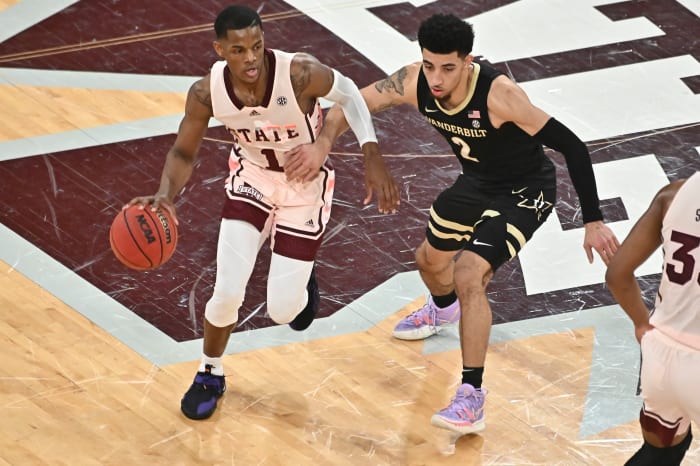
(218, 48)
(468, 60)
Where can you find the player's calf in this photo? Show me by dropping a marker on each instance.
(307, 315)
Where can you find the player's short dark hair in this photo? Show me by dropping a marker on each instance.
(236, 17)
(445, 34)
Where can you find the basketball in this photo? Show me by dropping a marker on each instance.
(143, 239)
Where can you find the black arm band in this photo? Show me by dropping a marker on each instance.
(578, 162)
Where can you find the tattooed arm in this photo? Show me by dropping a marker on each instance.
(303, 163)
(311, 79)
(397, 89)
(182, 155)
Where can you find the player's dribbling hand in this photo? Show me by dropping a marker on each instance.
(600, 237)
(155, 202)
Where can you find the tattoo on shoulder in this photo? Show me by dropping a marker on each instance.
(202, 93)
(395, 82)
(301, 77)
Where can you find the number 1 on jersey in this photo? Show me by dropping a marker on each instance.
(271, 157)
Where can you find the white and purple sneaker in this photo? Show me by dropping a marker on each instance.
(465, 414)
(427, 321)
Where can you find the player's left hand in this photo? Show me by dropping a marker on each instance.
(601, 238)
(304, 162)
(640, 330)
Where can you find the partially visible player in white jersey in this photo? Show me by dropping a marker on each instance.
(269, 102)
(670, 334)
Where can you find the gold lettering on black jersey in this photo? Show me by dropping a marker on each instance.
(459, 130)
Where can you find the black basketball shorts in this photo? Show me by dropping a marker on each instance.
(492, 220)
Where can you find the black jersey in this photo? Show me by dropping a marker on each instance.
(492, 154)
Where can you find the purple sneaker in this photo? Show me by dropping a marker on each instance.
(465, 414)
(427, 321)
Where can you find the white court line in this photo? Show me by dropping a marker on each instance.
(27, 13)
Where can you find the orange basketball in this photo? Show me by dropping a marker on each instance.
(143, 239)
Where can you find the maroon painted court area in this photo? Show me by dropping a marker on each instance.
(64, 203)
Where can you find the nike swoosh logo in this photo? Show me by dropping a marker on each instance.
(431, 110)
(513, 191)
(476, 242)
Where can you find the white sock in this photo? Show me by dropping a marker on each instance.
(217, 365)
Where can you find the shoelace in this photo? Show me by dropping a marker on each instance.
(428, 316)
(465, 404)
(204, 385)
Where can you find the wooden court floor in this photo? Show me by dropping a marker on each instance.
(71, 394)
(90, 94)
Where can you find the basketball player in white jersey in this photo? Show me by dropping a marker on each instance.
(670, 334)
(269, 102)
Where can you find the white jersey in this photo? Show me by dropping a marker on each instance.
(263, 133)
(677, 310)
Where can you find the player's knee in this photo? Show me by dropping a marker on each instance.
(650, 455)
(222, 308)
(283, 309)
(472, 273)
(428, 263)
(421, 257)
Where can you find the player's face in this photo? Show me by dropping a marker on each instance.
(446, 73)
(243, 50)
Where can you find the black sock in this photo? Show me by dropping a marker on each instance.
(444, 301)
(472, 376)
(649, 455)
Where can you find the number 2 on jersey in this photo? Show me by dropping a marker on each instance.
(464, 149)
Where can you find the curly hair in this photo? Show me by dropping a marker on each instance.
(445, 34)
(236, 17)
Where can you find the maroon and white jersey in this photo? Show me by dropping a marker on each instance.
(263, 133)
(677, 310)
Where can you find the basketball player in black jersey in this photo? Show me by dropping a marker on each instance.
(505, 192)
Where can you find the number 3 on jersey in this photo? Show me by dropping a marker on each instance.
(682, 275)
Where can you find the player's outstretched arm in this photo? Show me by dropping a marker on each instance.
(351, 111)
(180, 158)
(508, 102)
(396, 89)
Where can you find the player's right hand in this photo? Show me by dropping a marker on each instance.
(155, 202)
(378, 179)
